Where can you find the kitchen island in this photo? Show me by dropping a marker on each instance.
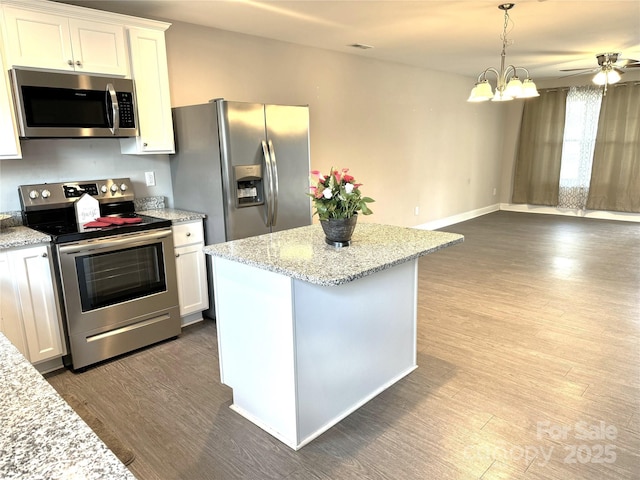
(308, 332)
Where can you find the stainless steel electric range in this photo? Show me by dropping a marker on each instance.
(116, 272)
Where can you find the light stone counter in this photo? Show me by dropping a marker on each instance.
(302, 254)
(42, 438)
(173, 214)
(19, 236)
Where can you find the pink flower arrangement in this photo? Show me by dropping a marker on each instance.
(337, 195)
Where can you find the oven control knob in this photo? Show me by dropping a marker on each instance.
(46, 193)
(114, 188)
(123, 187)
(33, 194)
(104, 189)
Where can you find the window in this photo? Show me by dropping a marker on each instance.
(580, 128)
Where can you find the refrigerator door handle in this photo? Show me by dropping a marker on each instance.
(268, 181)
(274, 184)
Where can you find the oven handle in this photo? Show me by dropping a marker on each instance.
(103, 243)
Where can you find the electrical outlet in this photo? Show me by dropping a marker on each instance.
(150, 178)
(416, 211)
(494, 192)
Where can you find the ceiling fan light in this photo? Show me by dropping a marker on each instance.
(613, 76)
(529, 89)
(600, 78)
(514, 88)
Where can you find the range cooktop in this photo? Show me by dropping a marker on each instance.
(50, 208)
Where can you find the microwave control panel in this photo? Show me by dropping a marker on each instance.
(125, 102)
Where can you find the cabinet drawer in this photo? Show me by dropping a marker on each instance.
(188, 233)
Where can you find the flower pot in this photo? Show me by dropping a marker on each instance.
(338, 231)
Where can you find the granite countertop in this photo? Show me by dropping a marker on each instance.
(173, 214)
(42, 438)
(302, 253)
(19, 236)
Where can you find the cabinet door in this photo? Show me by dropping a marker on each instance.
(99, 47)
(32, 272)
(9, 143)
(10, 321)
(151, 75)
(192, 279)
(36, 39)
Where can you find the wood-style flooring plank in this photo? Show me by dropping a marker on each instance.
(528, 334)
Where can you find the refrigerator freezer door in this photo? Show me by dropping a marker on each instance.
(288, 139)
(195, 168)
(242, 131)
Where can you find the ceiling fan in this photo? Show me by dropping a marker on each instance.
(610, 67)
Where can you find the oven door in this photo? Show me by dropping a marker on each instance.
(119, 293)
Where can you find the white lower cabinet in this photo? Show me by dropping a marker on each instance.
(193, 294)
(29, 312)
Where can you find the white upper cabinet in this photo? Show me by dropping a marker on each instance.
(9, 142)
(48, 35)
(150, 73)
(49, 41)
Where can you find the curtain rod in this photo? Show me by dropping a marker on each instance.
(556, 89)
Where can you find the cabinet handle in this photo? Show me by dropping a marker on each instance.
(44, 255)
(78, 62)
(145, 145)
(70, 62)
(188, 234)
(177, 255)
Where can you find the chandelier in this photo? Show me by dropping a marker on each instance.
(508, 86)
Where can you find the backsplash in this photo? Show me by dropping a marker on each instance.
(14, 220)
(149, 203)
(62, 160)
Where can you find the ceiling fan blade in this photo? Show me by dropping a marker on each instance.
(586, 69)
(631, 65)
(574, 74)
(625, 62)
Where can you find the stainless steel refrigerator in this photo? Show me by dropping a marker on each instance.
(244, 165)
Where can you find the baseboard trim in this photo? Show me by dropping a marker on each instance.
(598, 214)
(461, 217)
(513, 207)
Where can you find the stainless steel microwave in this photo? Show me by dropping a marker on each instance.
(69, 105)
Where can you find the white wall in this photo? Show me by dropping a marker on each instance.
(407, 134)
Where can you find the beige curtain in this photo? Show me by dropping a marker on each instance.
(615, 175)
(537, 170)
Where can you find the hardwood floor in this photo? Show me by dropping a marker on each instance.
(529, 367)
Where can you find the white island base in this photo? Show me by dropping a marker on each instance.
(300, 356)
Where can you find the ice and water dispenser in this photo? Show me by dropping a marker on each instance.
(248, 181)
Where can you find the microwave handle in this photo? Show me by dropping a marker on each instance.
(115, 109)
